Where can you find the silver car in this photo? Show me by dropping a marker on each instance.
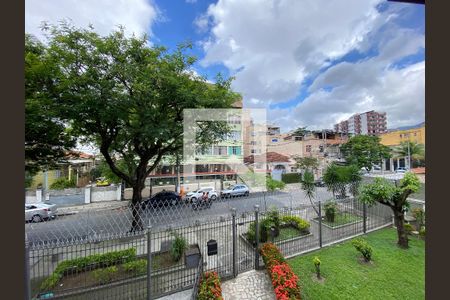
(37, 212)
(236, 190)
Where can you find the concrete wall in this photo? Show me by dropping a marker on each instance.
(106, 193)
(66, 192)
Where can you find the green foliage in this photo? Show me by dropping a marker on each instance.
(316, 262)
(364, 151)
(273, 184)
(308, 163)
(138, 267)
(46, 138)
(291, 178)
(335, 178)
(330, 211)
(105, 275)
(419, 214)
(416, 151)
(63, 183)
(28, 179)
(91, 261)
(272, 219)
(128, 98)
(179, 245)
(409, 228)
(297, 222)
(363, 247)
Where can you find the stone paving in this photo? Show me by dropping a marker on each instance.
(252, 285)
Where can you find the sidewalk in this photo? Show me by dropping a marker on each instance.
(249, 286)
(96, 206)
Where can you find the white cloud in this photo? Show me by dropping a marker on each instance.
(201, 23)
(105, 15)
(272, 46)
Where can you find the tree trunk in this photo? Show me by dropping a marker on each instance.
(399, 220)
(136, 223)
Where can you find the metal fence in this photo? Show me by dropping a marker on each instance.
(101, 255)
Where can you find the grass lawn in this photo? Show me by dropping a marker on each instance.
(342, 219)
(287, 233)
(394, 274)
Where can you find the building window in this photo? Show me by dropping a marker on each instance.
(308, 148)
(234, 150)
(220, 150)
(253, 151)
(234, 135)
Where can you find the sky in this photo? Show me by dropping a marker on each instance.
(308, 62)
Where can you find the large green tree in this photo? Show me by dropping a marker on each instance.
(128, 98)
(364, 151)
(307, 163)
(46, 136)
(395, 196)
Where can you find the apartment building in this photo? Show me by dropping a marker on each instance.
(367, 123)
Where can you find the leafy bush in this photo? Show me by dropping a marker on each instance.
(273, 184)
(408, 228)
(291, 178)
(297, 222)
(330, 211)
(63, 183)
(284, 280)
(91, 261)
(178, 247)
(272, 219)
(105, 275)
(316, 262)
(138, 267)
(363, 247)
(210, 288)
(419, 214)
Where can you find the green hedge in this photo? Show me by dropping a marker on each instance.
(81, 263)
(291, 178)
(297, 222)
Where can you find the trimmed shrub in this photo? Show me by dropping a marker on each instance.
(63, 183)
(105, 275)
(138, 267)
(316, 262)
(273, 184)
(272, 219)
(419, 214)
(291, 177)
(296, 222)
(179, 245)
(92, 262)
(330, 211)
(284, 280)
(363, 247)
(210, 288)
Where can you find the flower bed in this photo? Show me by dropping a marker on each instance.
(284, 281)
(286, 227)
(210, 288)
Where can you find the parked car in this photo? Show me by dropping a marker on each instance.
(163, 198)
(212, 194)
(39, 212)
(319, 182)
(401, 170)
(235, 190)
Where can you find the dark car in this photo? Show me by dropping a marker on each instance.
(319, 182)
(164, 198)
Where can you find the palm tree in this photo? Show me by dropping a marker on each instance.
(309, 188)
(416, 151)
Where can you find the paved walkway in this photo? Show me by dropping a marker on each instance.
(252, 285)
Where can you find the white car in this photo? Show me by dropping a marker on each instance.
(38, 212)
(401, 170)
(212, 194)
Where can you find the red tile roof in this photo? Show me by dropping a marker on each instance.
(270, 157)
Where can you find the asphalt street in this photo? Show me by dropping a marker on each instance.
(93, 223)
